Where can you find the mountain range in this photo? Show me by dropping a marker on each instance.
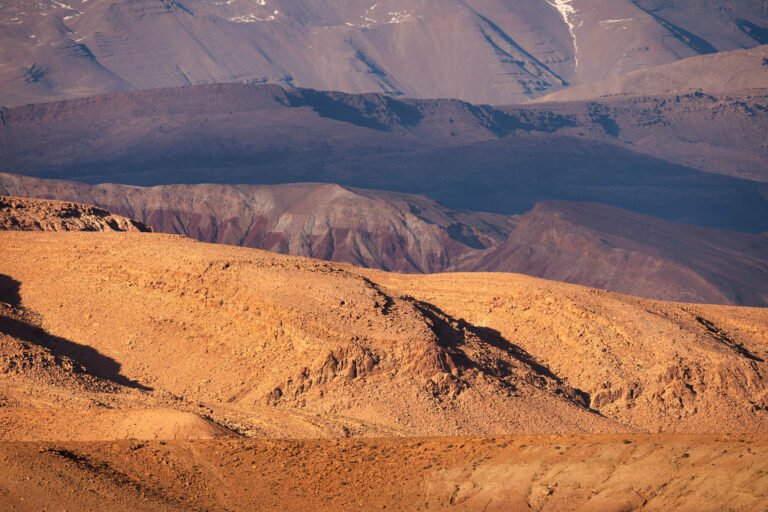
(694, 158)
(416, 48)
(325, 373)
(306, 348)
(585, 243)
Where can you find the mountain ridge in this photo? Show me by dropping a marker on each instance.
(582, 243)
(405, 254)
(251, 134)
(719, 73)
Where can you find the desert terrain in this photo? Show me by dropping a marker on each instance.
(25, 214)
(358, 374)
(428, 255)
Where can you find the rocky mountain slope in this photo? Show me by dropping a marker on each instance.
(721, 134)
(368, 228)
(609, 248)
(583, 243)
(520, 50)
(467, 157)
(719, 73)
(308, 348)
(627, 151)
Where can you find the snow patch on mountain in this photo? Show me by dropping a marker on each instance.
(622, 23)
(253, 18)
(369, 19)
(248, 17)
(570, 16)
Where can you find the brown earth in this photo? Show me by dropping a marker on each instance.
(557, 473)
(307, 348)
(583, 243)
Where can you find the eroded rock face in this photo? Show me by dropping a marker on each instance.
(390, 231)
(673, 361)
(22, 214)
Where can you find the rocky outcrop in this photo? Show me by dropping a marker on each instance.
(22, 214)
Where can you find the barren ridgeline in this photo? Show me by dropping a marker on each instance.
(480, 51)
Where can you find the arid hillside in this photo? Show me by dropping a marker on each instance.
(376, 229)
(584, 243)
(346, 366)
(718, 73)
(397, 255)
(614, 249)
(308, 348)
(720, 134)
(546, 473)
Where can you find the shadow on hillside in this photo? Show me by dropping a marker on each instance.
(451, 333)
(9, 291)
(94, 362)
